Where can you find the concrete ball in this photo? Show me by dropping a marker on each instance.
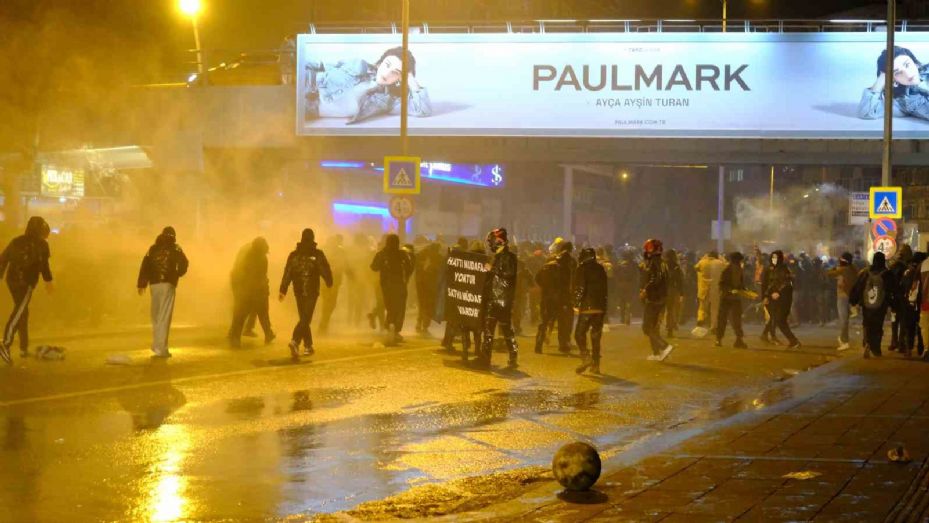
(576, 466)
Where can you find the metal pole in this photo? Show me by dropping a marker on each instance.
(404, 80)
(771, 194)
(193, 20)
(720, 211)
(725, 6)
(567, 203)
(887, 163)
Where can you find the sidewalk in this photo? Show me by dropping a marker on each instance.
(820, 454)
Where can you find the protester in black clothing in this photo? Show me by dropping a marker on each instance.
(429, 267)
(305, 266)
(555, 281)
(452, 329)
(897, 266)
(875, 290)
(524, 284)
(162, 267)
(653, 291)
(777, 289)
(590, 302)
(248, 328)
(395, 266)
(250, 291)
(731, 288)
(23, 260)
(626, 279)
(499, 293)
(672, 314)
(910, 297)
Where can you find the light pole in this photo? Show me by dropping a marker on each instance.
(725, 8)
(192, 8)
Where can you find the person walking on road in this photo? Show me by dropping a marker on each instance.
(845, 276)
(23, 260)
(162, 267)
(908, 312)
(395, 267)
(653, 291)
(555, 281)
(499, 295)
(305, 266)
(731, 290)
(590, 302)
(874, 291)
(251, 291)
(777, 290)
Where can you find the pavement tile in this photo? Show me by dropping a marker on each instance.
(696, 518)
(751, 487)
(875, 506)
(723, 505)
(768, 469)
(718, 468)
(617, 513)
(659, 499)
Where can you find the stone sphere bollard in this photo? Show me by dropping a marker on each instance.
(576, 466)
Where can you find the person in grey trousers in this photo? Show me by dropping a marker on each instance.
(163, 265)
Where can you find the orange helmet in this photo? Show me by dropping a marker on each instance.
(652, 247)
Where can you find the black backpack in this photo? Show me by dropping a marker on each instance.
(875, 293)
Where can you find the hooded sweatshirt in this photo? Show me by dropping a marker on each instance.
(393, 264)
(27, 256)
(305, 266)
(165, 262)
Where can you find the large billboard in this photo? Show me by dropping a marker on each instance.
(736, 85)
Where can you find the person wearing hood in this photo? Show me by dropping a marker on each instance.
(875, 292)
(395, 267)
(845, 276)
(675, 292)
(304, 268)
(555, 281)
(251, 290)
(590, 303)
(24, 260)
(653, 290)
(897, 266)
(625, 280)
(908, 312)
(777, 291)
(163, 265)
(498, 296)
(731, 288)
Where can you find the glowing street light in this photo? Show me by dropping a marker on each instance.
(192, 8)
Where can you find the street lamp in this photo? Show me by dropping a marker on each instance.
(191, 9)
(725, 7)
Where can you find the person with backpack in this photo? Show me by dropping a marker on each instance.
(908, 312)
(874, 291)
(499, 294)
(395, 267)
(897, 266)
(304, 268)
(778, 296)
(590, 303)
(653, 291)
(162, 267)
(24, 260)
(845, 277)
(731, 289)
(251, 291)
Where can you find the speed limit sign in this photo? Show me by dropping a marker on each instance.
(886, 245)
(401, 207)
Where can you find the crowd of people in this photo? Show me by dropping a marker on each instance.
(527, 283)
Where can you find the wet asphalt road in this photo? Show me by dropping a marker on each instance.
(216, 433)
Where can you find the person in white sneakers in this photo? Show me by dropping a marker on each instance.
(845, 276)
(653, 290)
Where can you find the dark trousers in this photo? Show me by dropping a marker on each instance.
(908, 317)
(651, 326)
(395, 303)
(553, 313)
(592, 323)
(625, 308)
(330, 296)
(249, 307)
(302, 331)
(780, 314)
(509, 337)
(729, 309)
(872, 322)
(19, 318)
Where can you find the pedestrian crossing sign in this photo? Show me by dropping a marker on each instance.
(886, 202)
(401, 174)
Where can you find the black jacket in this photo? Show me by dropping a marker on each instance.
(165, 262)
(250, 274)
(25, 258)
(732, 279)
(555, 279)
(590, 288)
(305, 266)
(653, 284)
(500, 285)
(394, 266)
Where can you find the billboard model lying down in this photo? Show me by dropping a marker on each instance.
(746, 85)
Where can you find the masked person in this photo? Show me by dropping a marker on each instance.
(305, 266)
(777, 290)
(653, 291)
(23, 260)
(162, 267)
(874, 291)
(251, 291)
(731, 287)
(908, 313)
(395, 267)
(845, 276)
(590, 302)
(499, 294)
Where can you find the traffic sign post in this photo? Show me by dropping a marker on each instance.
(884, 227)
(886, 202)
(402, 175)
(886, 245)
(401, 208)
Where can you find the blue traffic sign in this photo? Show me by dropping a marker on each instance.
(884, 227)
(402, 174)
(886, 202)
